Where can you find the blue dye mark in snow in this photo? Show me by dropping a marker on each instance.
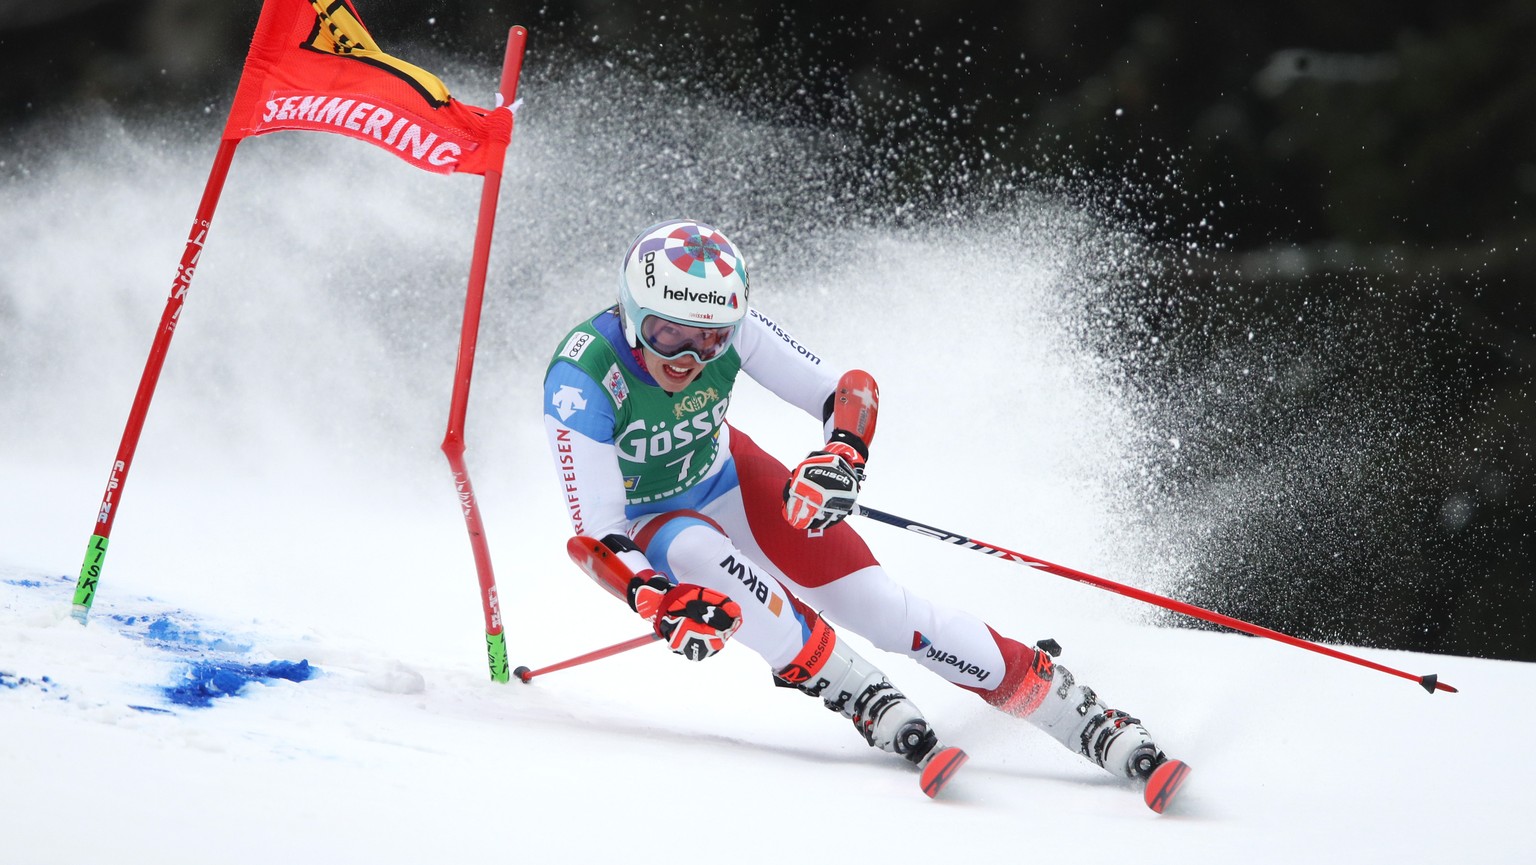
(28, 583)
(14, 682)
(175, 631)
(164, 632)
(206, 681)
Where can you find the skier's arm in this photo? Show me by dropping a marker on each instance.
(822, 489)
(783, 365)
(579, 420)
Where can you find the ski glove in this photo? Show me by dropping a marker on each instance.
(822, 489)
(696, 622)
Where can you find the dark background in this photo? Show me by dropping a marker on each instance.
(1371, 162)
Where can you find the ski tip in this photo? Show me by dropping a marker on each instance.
(522, 675)
(940, 768)
(1163, 787)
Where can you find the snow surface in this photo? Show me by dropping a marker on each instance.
(288, 503)
(406, 754)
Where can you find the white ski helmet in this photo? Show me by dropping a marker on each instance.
(689, 275)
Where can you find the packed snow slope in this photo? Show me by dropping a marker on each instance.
(285, 660)
(397, 748)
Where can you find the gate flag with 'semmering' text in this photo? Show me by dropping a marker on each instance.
(313, 65)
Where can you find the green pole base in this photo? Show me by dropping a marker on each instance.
(496, 654)
(90, 572)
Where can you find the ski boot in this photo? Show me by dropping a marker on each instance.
(853, 687)
(1049, 697)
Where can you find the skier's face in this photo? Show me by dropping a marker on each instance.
(672, 375)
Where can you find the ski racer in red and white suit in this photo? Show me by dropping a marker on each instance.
(635, 403)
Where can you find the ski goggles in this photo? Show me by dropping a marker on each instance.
(671, 340)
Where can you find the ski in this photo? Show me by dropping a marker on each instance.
(940, 768)
(1164, 784)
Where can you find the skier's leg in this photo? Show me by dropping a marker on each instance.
(1015, 678)
(847, 683)
(800, 647)
(689, 547)
(838, 575)
(1049, 696)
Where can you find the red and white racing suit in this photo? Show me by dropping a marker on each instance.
(727, 531)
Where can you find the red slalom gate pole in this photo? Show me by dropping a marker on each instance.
(96, 548)
(453, 439)
(1430, 683)
(526, 675)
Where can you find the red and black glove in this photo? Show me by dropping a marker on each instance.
(696, 622)
(822, 489)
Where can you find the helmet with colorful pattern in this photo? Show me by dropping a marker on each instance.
(682, 290)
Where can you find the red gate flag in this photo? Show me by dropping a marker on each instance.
(313, 65)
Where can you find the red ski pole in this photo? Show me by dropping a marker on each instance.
(526, 675)
(1429, 683)
(600, 563)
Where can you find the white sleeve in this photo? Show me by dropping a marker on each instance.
(578, 419)
(778, 362)
(590, 481)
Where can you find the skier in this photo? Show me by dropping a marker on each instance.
(723, 540)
